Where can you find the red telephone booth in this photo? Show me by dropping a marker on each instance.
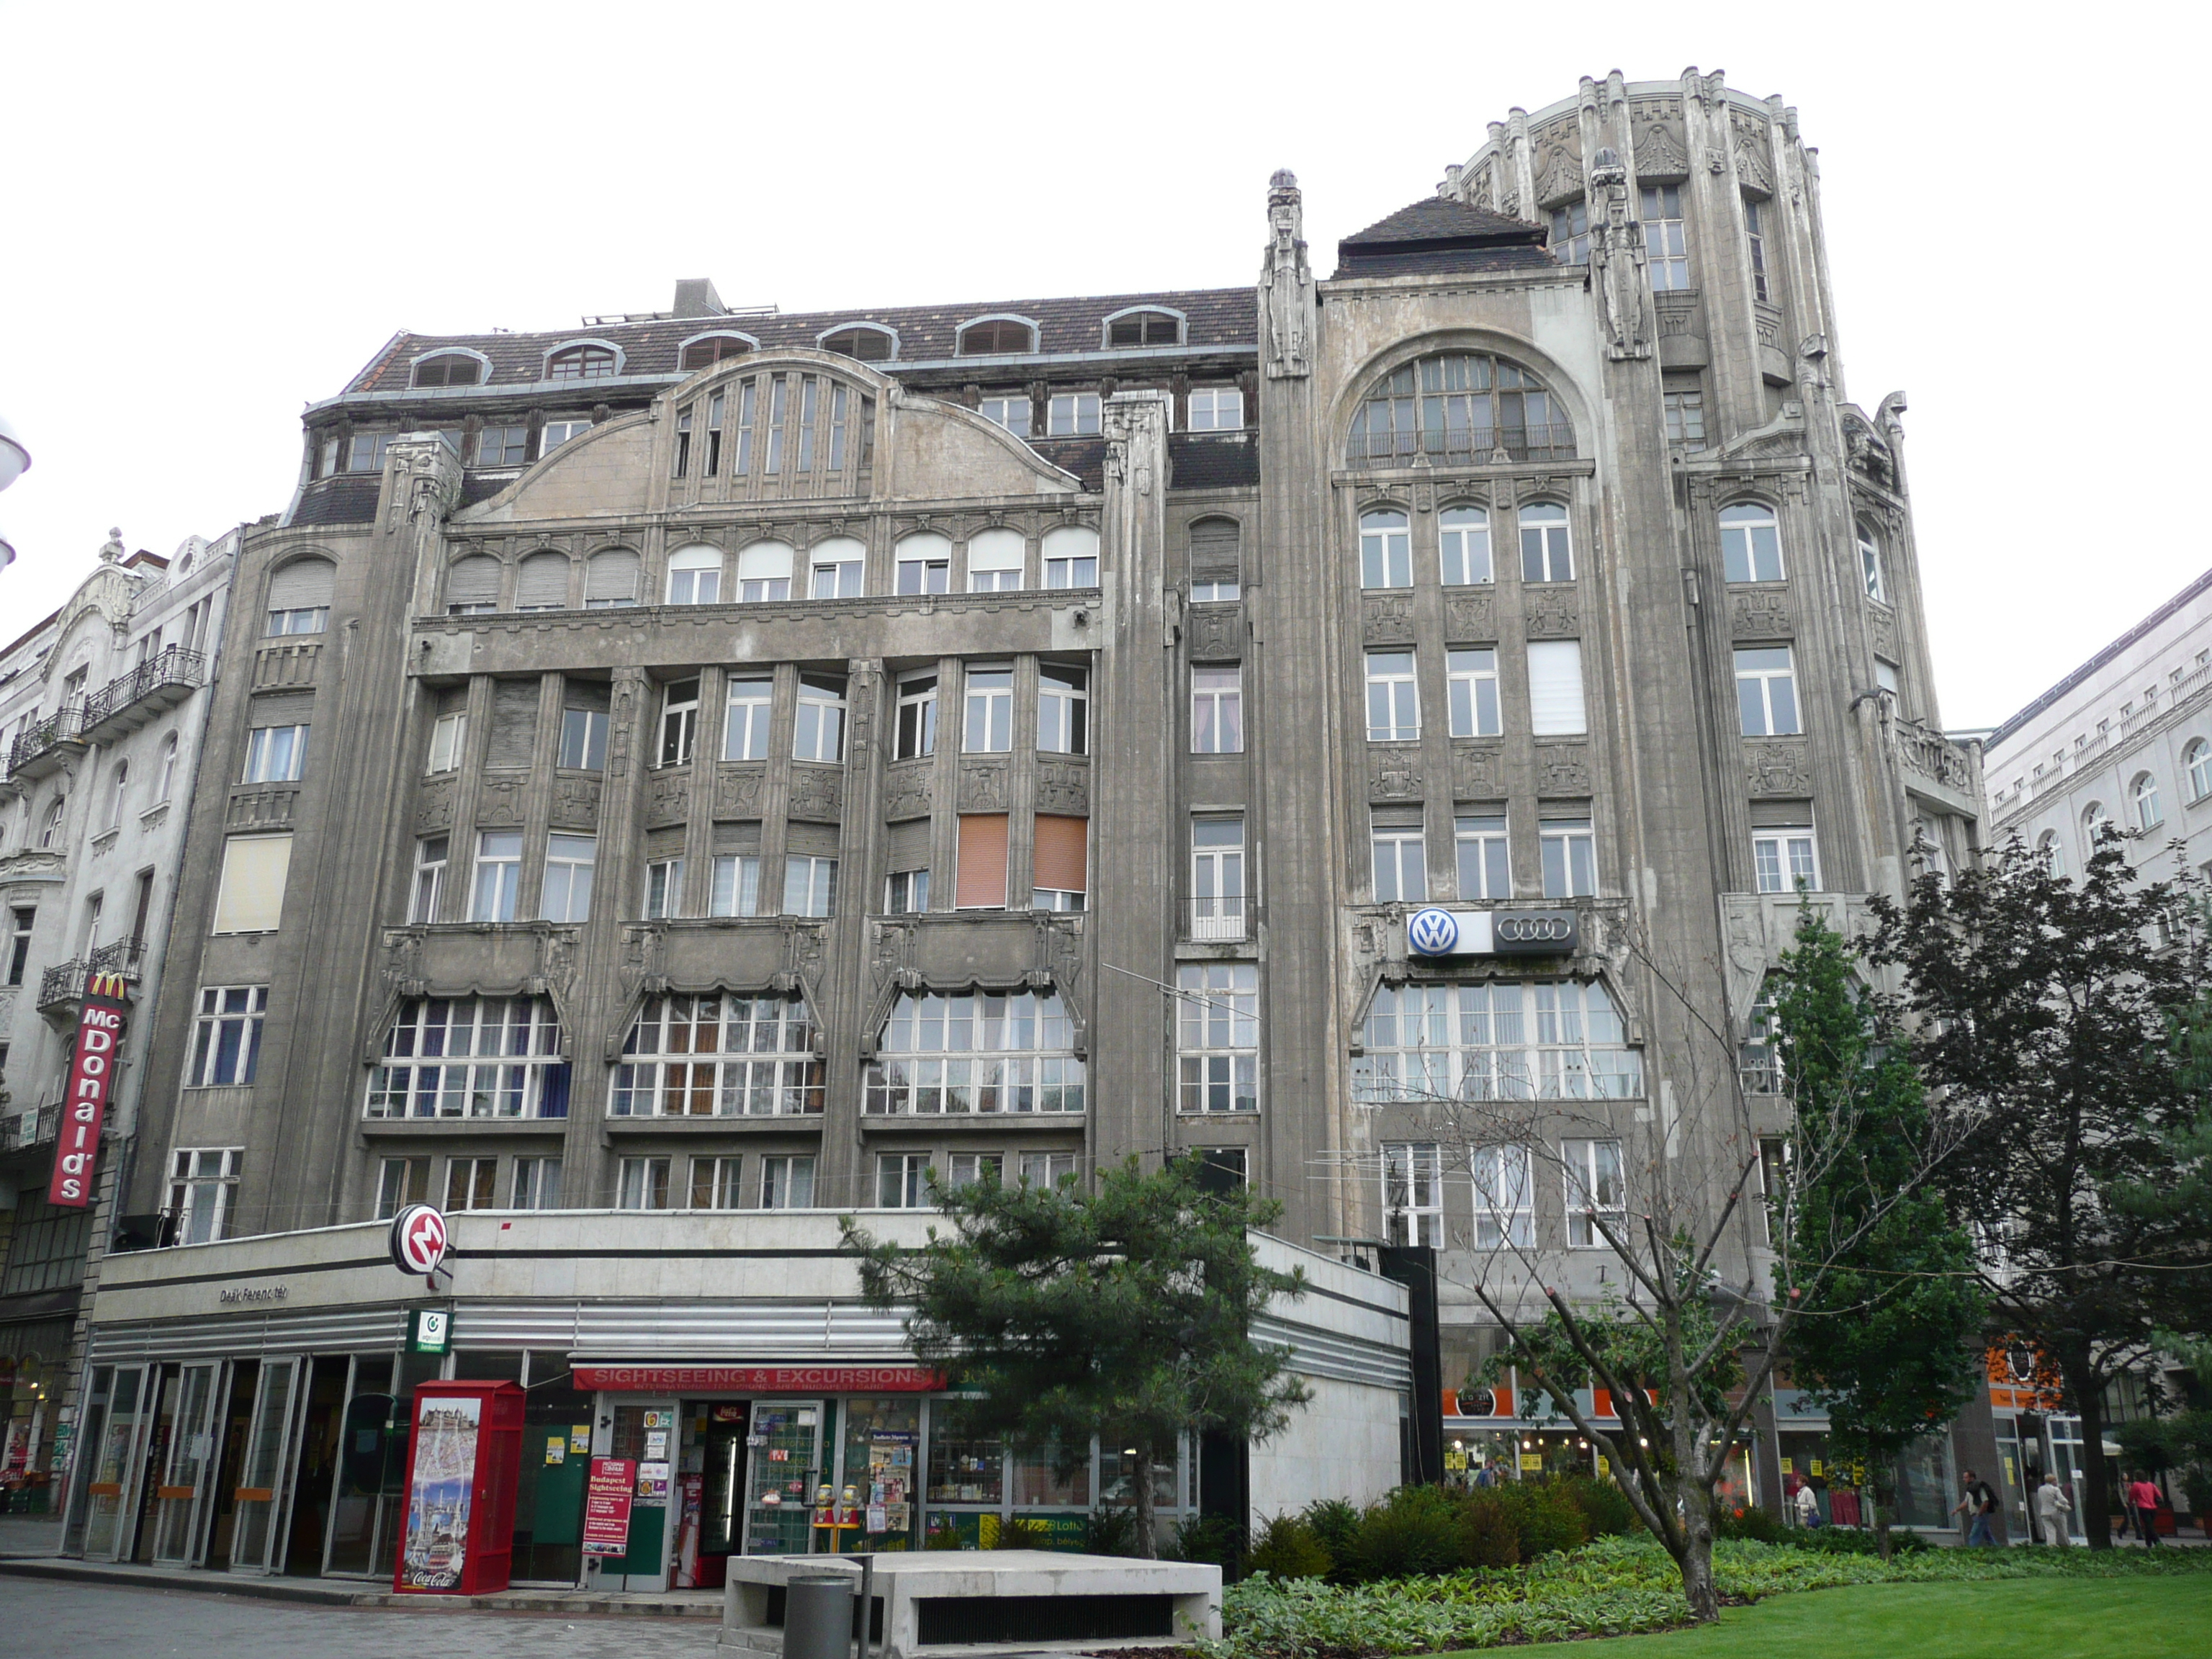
(463, 1455)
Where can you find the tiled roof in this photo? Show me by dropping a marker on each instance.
(1434, 219)
(339, 500)
(1084, 456)
(1211, 461)
(1435, 236)
(1216, 317)
(1430, 261)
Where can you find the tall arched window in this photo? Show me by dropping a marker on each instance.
(764, 573)
(1751, 542)
(1460, 409)
(694, 575)
(300, 597)
(165, 774)
(611, 579)
(2143, 794)
(49, 835)
(2095, 821)
(118, 789)
(2052, 854)
(2197, 758)
(1870, 564)
(1386, 554)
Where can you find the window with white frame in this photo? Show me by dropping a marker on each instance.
(1414, 1193)
(749, 705)
(719, 1055)
(584, 739)
(1569, 239)
(641, 1183)
(1569, 846)
(818, 733)
(22, 921)
(449, 741)
(1216, 409)
(1046, 1168)
(2197, 762)
(1071, 557)
(1386, 550)
(1754, 229)
(663, 889)
(202, 1192)
(787, 1181)
(997, 560)
(1218, 1036)
(764, 573)
(967, 1169)
(694, 575)
(275, 753)
(502, 445)
(1751, 542)
(1505, 1198)
(1766, 690)
(1216, 560)
(1547, 552)
(1665, 245)
(1784, 858)
(916, 736)
(1402, 872)
(165, 771)
(679, 721)
(471, 1184)
(1216, 878)
(119, 788)
(902, 1181)
(557, 433)
(1885, 682)
(537, 1184)
(401, 1182)
(715, 1182)
(1063, 709)
(569, 859)
(906, 892)
(1683, 402)
(1471, 677)
(989, 717)
(1485, 870)
(839, 569)
(1870, 565)
(1597, 1191)
(924, 564)
(973, 1052)
(227, 1035)
(1758, 1057)
(1547, 1040)
(301, 619)
(498, 875)
(1008, 411)
(1073, 415)
(2143, 797)
(810, 885)
(1463, 536)
(471, 1057)
(1393, 699)
(1217, 710)
(2052, 852)
(736, 887)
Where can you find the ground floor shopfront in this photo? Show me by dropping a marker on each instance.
(246, 1406)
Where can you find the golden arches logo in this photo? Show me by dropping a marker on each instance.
(107, 985)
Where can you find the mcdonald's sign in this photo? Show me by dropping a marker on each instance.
(98, 1035)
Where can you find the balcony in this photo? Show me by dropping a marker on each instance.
(61, 989)
(1217, 921)
(1946, 774)
(33, 1128)
(161, 682)
(55, 742)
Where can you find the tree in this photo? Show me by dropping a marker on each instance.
(2045, 1013)
(1123, 1312)
(1888, 1340)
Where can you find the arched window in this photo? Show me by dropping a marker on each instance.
(1071, 557)
(1144, 328)
(987, 1051)
(472, 586)
(1870, 564)
(300, 597)
(2198, 758)
(2095, 821)
(694, 575)
(996, 561)
(1386, 550)
(706, 353)
(1460, 410)
(50, 834)
(448, 369)
(1547, 553)
(764, 573)
(2144, 796)
(2052, 854)
(1751, 542)
(1463, 540)
(1215, 561)
(718, 1055)
(865, 344)
(119, 788)
(165, 771)
(581, 362)
(611, 579)
(542, 582)
(996, 337)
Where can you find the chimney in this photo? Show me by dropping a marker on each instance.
(696, 297)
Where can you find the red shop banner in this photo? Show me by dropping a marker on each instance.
(760, 1379)
(84, 1108)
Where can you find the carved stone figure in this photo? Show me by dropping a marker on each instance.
(1617, 265)
(1286, 282)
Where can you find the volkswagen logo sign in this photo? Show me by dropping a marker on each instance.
(1432, 932)
(1534, 932)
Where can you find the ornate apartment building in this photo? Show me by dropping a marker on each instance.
(735, 763)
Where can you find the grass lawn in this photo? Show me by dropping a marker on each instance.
(2166, 1617)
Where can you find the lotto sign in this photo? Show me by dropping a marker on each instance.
(99, 1031)
(418, 1240)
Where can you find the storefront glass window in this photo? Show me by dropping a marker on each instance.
(882, 1439)
(1925, 1489)
(783, 1471)
(111, 1440)
(1039, 1482)
(966, 1471)
(364, 1451)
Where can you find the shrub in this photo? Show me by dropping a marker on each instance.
(1211, 1538)
(1488, 1533)
(1606, 1509)
(1752, 1523)
(1333, 1521)
(1110, 1532)
(942, 1536)
(1546, 1518)
(1414, 1532)
(1023, 1533)
(1289, 1548)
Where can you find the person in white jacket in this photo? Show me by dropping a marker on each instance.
(2052, 1507)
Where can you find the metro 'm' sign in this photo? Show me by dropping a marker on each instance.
(99, 1033)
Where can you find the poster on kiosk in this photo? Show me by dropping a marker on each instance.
(463, 1455)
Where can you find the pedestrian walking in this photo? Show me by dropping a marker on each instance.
(2053, 1512)
(2143, 1499)
(1979, 1503)
(1809, 1505)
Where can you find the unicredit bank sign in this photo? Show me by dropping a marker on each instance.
(1437, 931)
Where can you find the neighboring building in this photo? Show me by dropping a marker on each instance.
(757, 759)
(101, 715)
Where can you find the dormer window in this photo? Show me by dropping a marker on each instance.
(582, 363)
(867, 345)
(705, 354)
(999, 337)
(452, 369)
(1145, 328)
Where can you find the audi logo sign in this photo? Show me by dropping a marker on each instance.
(1434, 931)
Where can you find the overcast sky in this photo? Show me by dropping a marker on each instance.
(213, 214)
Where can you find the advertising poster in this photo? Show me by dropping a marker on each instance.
(606, 1506)
(435, 1542)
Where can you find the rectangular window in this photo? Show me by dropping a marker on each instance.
(1011, 413)
(1569, 238)
(1570, 849)
(429, 893)
(989, 717)
(906, 892)
(810, 398)
(307, 619)
(1402, 871)
(714, 1183)
(982, 883)
(1047, 1168)
(367, 452)
(275, 753)
(1547, 550)
(664, 890)
(474, 1057)
(1216, 409)
(1463, 538)
(1386, 550)
(1555, 689)
(838, 578)
(499, 875)
(1218, 1036)
(1751, 543)
(1666, 249)
(683, 442)
(1414, 1193)
(569, 864)
(1493, 1041)
(715, 405)
(1766, 691)
(1394, 701)
(537, 1184)
(779, 404)
(1596, 1192)
(641, 1183)
(1505, 1198)
(997, 562)
(745, 405)
(1485, 871)
(1217, 878)
(584, 739)
(1216, 562)
(786, 1182)
(202, 1192)
(254, 870)
(1785, 858)
(227, 1035)
(471, 1184)
(1754, 226)
(1073, 415)
(679, 721)
(1885, 682)
(1217, 711)
(917, 717)
(448, 742)
(401, 1182)
(818, 734)
(924, 565)
(1063, 569)
(745, 718)
(966, 1168)
(1062, 860)
(810, 886)
(21, 921)
(557, 433)
(902, 1181)
(1063, 710)
(502, 445)
(1473, 678)
(1685, 414)
(736, 886)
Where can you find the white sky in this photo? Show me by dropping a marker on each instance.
(212, 215)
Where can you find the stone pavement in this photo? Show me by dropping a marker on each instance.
(30, 1535)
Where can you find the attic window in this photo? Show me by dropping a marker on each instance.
(705, 354)
(867, 345)
(452, 369)
(583, 363)
(1145, 328)
(996, 339)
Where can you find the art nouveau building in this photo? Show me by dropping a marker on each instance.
(746, 760)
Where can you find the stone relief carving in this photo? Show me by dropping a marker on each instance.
(1882, 625)
(1563, 768)
(909, 791)
(668, 797)
(1760, 613)
(1389, 618)
(1063, 787)
(982, 786)
(575, 802)
(434, 806)
(1216, 632)
(1561, 173)
(499, 800)
(818, 794)
(887, 951)
(1286, 285)
(1778, 768)
(1470, 617)
(738, 789)
(1617, 267)
(1751, 150)
(622, 720)
(1477, 773)
(254, 809)
(1551, 614)
(1659, 153)
(1394, 774)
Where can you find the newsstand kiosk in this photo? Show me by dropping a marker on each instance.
(464, 1455)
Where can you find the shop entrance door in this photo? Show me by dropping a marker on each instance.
(786, 1465)
(186, 1481)
(259, 1501)
(114, 1450)
(722, 1489)
(644, 1432)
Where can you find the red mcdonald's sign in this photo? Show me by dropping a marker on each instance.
(99, 1034)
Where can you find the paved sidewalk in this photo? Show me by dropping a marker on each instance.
(30, 1535)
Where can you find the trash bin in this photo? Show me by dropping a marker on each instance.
(817, 1616)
